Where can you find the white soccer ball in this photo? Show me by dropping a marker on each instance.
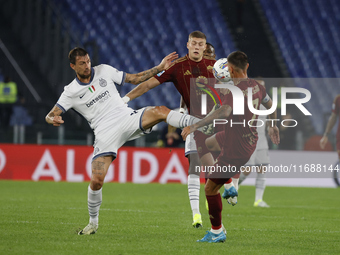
(220, 70)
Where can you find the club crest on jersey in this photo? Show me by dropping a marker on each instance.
(102, 82)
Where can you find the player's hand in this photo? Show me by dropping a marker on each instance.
(166, 62)
(274, 134)
(57, 121)
(323, 142)
(187, 130)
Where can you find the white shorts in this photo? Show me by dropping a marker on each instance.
(127, 127)
(190, 145)
(259, 157)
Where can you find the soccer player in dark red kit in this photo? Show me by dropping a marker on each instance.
(192, 75)
(330, 124)
(240, 140)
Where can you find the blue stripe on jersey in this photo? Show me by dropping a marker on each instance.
(189, 152)
(82, 83)
(123, 79)
(105, 154)
(140, 124)
(62, 108)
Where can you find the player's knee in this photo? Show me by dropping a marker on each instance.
(208, 190)
(162, 111)
(96, 183)
(211, 144)
(211, 190)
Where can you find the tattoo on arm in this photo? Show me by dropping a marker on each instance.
(142, 76)
(56, 111)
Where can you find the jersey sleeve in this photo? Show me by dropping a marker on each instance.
(118, 77)
(166, 75)
(336, 105)
(65, 101)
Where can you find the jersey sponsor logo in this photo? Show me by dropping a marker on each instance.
(102, 82)
(187, 72)
(92, 89)
(100, 98)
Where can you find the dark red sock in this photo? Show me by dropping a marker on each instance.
(215, 209)
(229, 180)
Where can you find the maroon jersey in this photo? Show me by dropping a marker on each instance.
(240, 139)
(336, 110)
(184, 72)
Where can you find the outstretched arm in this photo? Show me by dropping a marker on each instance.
(330, 124)
(53, 117)
(145, 75)
(141, 89)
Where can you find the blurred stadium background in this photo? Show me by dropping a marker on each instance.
(283, 39)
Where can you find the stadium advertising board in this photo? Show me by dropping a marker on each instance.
(73, 164)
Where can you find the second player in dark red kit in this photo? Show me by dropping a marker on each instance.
(240, 139)
(192, 75)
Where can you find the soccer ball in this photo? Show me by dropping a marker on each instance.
(220, 70)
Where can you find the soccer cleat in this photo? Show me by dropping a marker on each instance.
(231, 192)
(260, 203)
(197, 221)
(213, 238)
(231, 195)
(224, 230)
(90, 229)
(232, 201)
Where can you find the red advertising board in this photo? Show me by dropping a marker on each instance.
(73, 164)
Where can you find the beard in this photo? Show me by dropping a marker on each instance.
(83, 76)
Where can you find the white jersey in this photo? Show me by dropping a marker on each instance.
(262, 143)
(97, 101)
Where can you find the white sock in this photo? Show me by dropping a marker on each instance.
(242, 178)
(260, 185)
(216, 231)
(180, 120)
(94, 200)
(235, 182)
(194, 193)
(228, 185)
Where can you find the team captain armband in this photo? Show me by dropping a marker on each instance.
(266, 99)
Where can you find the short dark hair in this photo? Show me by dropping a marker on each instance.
(75, 52)
(209, 44)
(197, 34)
(239, 59)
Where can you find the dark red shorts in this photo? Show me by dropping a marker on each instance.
(221, 172)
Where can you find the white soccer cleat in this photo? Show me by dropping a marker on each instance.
(260, 203)
(90, 229)
(232, 200)
(224, 230)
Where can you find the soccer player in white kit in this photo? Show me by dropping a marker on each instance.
(93, 94)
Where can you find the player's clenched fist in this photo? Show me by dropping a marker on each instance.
(57, 121)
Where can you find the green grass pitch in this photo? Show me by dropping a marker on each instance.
(44, 217)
